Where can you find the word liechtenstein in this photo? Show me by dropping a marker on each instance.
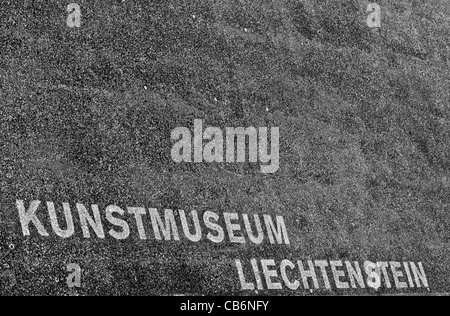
(213, 150)
(307, 274)
(166, 228)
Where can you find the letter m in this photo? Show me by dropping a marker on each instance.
(167, 227)
(276, 232)
(240, 133)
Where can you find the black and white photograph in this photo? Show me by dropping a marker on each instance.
(217, 155)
